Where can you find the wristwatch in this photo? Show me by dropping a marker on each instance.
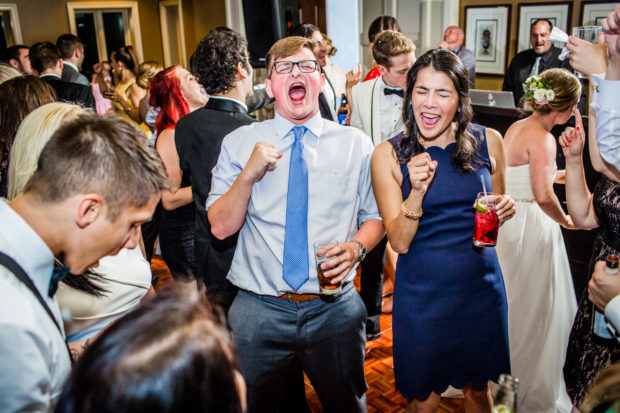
(362, 253)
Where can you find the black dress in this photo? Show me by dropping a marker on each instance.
(587, 354)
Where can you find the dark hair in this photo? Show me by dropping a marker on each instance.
(12, 53)
(380, 24)
(18, 97)
(168, 355)
(216, 57)
(604, 392)
(541, 20)
(127, 56)
(67, 43)
(166, 94)
(466, 144)
(43, 56)
(105, 156)
(304, 30)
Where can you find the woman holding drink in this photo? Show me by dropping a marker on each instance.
(530, 248)
(450, 315)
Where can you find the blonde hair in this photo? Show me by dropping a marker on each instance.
(33, 133)
(8, 72)
(604, 392)
(146, 71)
(566, 89)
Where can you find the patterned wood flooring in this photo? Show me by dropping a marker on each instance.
(379, 368)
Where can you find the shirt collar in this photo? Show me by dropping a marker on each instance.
(27, 247)
(283, 126)
(232, 100)
(545, 56)
(382, 85)
(64, 62)
(54, 75)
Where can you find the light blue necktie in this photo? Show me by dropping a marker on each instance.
(295, 261)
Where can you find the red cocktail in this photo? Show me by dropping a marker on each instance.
(487, 222)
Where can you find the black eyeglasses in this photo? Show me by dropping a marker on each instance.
(305, 66)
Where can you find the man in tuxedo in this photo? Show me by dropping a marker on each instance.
(221, 65)
(377, 111)
(47, 64)
(453, 39)
(17, 56)
(72, 53)
(328, 101)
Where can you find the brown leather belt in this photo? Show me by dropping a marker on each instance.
(298, 298)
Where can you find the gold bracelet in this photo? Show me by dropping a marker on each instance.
(410, 214)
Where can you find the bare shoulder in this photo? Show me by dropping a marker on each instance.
(385, 162)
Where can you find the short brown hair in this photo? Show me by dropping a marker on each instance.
(389, 44)
(286, 47)
(43, 56)
(67, 43)
(105, 156)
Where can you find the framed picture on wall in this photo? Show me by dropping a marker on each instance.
(592, 12)
(559, 14)
(486, 35)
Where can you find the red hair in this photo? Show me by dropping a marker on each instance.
(166, 94)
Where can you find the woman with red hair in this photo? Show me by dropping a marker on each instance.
(177, 93)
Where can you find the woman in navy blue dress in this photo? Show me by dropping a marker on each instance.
(449, 314)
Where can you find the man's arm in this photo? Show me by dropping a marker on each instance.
(227, 213)
(25, 382)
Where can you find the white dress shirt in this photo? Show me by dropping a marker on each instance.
(606, 105)
(391, 112)
(340, 196)
(33, 354)
(612, 314)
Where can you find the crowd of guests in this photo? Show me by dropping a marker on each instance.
(94, 172)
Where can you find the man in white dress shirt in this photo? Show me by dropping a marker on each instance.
(284, 184)
(377, 111)
(98, 180)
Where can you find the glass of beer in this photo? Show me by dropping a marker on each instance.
(320, 250)
(487, 222)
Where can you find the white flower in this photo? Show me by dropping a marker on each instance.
(549, 94)
(539, 94)
(534, 85)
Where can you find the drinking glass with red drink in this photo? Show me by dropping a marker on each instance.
(487, 221)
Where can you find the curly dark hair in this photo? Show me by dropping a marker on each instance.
(466, 143)
(215, 60)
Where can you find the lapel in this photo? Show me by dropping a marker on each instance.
(375, 112)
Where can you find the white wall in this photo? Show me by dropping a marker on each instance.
(343, 28)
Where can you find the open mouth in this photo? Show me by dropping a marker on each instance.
(429, 120)
(297, 92)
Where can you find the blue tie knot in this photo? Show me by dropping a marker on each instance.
(299, 132)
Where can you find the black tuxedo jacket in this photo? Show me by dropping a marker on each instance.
(198, 139)
(71, 92)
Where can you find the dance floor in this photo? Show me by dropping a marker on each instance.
(379, 367)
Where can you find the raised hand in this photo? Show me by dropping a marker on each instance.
(263, 158)
(572, 140)
(421, 172)
(586, 57)
(354, 76)
(611, 27)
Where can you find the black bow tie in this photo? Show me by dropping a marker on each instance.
(390, 91)
(57, 275)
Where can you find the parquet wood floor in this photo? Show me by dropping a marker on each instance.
(379, 367)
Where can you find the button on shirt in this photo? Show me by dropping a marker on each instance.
(391, 113)
(340, 196)
(606, 105)
(33, 355)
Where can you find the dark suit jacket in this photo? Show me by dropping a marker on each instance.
(198, 139)
(71, 92)
(69, 74)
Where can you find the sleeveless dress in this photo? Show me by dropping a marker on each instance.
(587, 354)
(541, 299)
(450, 316)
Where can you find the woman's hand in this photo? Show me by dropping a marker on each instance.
(573, 139)
(353, 76)
(505, 208)
(421, 172)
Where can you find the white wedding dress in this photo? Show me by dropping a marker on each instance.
(541, 299)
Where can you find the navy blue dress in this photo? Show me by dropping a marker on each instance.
(450, 313)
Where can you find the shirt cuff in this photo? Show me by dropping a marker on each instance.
(612, 312)
(606, 91)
